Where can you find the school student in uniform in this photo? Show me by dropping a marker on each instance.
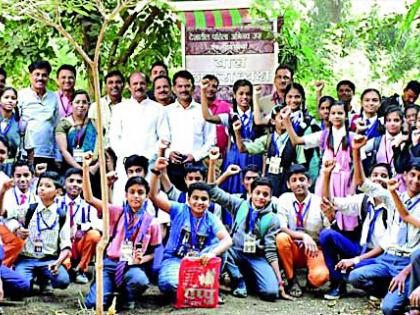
(195, 231)
(373, 212)
(85, 225)
(130, 250)
(400, 241)
(46, 230)
(277, 149)
(301, 222)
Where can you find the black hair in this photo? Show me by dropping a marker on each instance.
(301, 91)
(277, 109)
(346, 82)
(136, 160)
(370, 90)
(296, 169)
(73, 171)
(80, 92)
(385, 165)
(9, 88)
(137, 180)
(5, 142)
(67, 67)
(236, 86)
(287, 67)
(394, 109)
(251, 168)
(211, 77)
(3, 72)
(414, 86)
(161, 77)
(54, 176)
(194, 169)
(326, 98)
(414, 163)
(21, 163)
(41, 64)
(114, 73)
(346, 140)
(261, 181)
(412, 106)
(161, 64)
(184, 74)
(198, 186)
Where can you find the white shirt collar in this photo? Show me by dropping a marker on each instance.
(305, 201)
(339, 133)
(241, 113)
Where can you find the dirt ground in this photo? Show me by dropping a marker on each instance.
(66, 303)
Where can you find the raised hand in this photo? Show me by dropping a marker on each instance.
(257, 91)
(204, 84)
(237, 125)
(161, 164)
(361, 126)
(233, 169)
(87, 158)
(319, 85)
(328, 208)
(358, 142)
(40, 168)
(393, 184)
(8, 184)
(285, 113)
(328, 166)
(214, 153)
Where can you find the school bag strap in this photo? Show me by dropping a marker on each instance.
(364, 212)
(31, 210)
(242, 214)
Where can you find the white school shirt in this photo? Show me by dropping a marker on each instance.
(189, 132)
(313, 222)
(352, 205)
(137, 127)
(13, 197)
(390, 240)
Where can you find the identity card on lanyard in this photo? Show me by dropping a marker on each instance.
(250, 241)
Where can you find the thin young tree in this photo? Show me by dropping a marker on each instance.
(51, 13)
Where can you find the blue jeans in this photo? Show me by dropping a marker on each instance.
(31, 268)
(256, 271)
(14, 284)
(375, 279)
(415, 272)
(135, 282)
(168, 275)
(336, 246)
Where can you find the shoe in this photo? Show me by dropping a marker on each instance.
(221, 300)
(46, 289)
(81, 278)
(240, 291)
(336, 292)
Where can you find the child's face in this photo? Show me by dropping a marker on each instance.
(22, 177)
(3, 152)
(324, 110)
(261, 196)
(299, 184)
(47, 190)
(393, 123)
(411, 116)
(380, 176)
(277, 122)
(135, 170)
(243, 97)
(371, 103)
(249, 177)
(135, 195)
(337, 115)
(412, 181)
(199, 201)
(193, 177)
(73, 185)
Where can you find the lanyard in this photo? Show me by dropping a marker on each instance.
(276, 147)
(65, 109)
(252, 218)
(81, 132)
(17, 198)
(8, 126)
(127, 220)
(194, 229)
(371, 224)
(40, 217)
(301, 216)
(409, 206)
(386, 152)
(338, 149)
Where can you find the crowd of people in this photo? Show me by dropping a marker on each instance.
(258, 181)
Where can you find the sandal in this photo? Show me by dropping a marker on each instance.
(294, 289)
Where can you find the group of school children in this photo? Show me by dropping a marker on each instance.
(338, 198)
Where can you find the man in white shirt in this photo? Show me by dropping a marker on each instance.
(190, 135)
(137, 124)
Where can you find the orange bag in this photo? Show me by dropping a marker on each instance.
(198, 285)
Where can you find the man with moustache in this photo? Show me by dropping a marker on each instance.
(158, 69)
(114, 84)
(190, 135)
(137, 124)
(39, 110)
(283, 77)
(162, 90)
(66, 80)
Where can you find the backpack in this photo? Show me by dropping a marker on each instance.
(242, 214)
(31, 210)
(364, 212)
